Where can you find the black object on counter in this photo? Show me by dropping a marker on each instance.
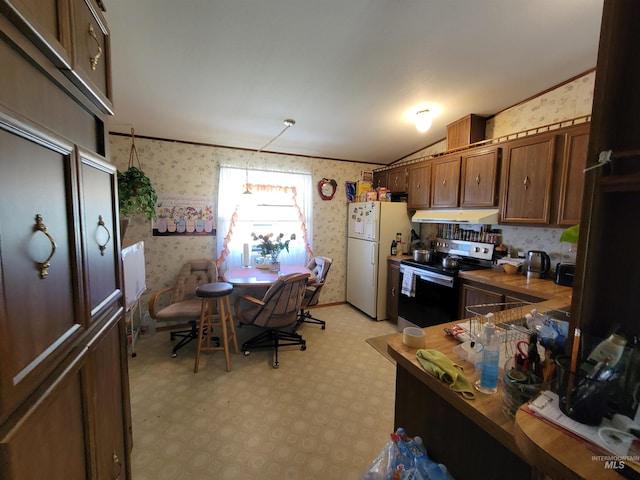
(564, 274)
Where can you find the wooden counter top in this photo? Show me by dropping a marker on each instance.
(558, 454)
(535, 287)
(485, 410)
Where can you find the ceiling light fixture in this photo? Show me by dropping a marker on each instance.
(423, 120)
(288, 122)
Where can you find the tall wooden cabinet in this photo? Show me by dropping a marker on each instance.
(605, 289)
(64, 397)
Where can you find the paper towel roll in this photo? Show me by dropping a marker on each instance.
(245, 254)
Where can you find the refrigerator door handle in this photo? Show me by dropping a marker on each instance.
(374, 256)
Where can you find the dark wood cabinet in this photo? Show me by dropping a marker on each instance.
(394, 179)
(470, 296)
(64, 395)
(393, 290)
(467, 130)
(479, 177)
(74, 36)
(380, 179)
(445, 186)
(570, 175)
(397, 179)
(605, 289)
(419, 185)
(473, 293)
(526, 179)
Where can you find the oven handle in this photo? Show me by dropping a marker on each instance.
(429, 277)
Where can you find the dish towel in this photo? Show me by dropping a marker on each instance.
(408, 284)
(442, 367)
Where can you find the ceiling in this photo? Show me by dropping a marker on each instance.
(351, 73)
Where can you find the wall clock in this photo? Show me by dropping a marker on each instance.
(327, 188)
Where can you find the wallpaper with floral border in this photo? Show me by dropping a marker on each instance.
(177, 168)
(186, 169)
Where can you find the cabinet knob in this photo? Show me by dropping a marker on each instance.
(444, 181)
(393, 291)
(478, 179)
(526, 182)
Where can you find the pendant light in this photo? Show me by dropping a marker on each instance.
(288, 122)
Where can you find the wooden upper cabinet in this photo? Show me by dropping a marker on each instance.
(479, 177)
(574, 160)
(419, 185)
(467, 130)
(446, 181)
(74, 36)
(91, 67)
(397, 181)
(46, 23)
(527, 172)
(380, 179)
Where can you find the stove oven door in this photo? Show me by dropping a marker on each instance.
(435, 300)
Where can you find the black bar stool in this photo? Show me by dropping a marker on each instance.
(211, 293)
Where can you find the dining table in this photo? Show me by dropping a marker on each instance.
(257, 277)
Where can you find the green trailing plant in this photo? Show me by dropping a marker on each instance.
(136, 195)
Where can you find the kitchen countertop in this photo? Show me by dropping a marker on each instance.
(549, 449)
(495, 277)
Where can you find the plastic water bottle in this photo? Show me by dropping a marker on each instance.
(488, 382)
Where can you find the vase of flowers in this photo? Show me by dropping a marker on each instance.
(270, 246)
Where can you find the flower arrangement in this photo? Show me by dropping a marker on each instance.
(272, 245)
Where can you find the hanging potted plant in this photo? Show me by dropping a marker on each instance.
(136, 195)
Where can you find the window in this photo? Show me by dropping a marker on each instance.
(279, 203)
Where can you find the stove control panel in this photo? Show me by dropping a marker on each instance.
(463, 248)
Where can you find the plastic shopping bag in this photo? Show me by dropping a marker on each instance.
(405, 458)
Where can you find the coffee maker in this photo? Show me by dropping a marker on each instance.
(538, 264)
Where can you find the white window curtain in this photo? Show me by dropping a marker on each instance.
(279, 203)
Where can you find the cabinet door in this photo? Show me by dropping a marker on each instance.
(393, 290)
(46, 24)
(397, 181)
(48, 441)
(99, 220)
(527, 180)
(381, 179)
(419, 185)
(474, 296)
(446, 181)
(572, 179)
(40, 299)
(105, 376)
(479, 178)
(91, 69)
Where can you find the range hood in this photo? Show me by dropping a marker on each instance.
(472, 216)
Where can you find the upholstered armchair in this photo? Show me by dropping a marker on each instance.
(275, 315)
(178, 304)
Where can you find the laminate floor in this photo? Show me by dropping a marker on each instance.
(324, 414)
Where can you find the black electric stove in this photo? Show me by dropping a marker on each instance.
(429, 292)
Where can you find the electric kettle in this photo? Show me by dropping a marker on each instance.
(538, 264)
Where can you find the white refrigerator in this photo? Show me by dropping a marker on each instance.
(372, 226)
